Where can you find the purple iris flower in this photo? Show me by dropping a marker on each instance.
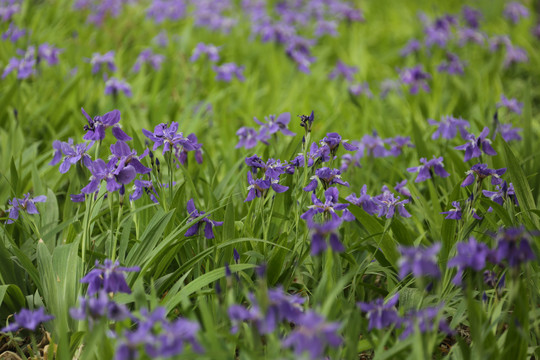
(161, 10)
(452, 65)
(312, 334)
(99, 60)
(48, 53)
(115, 176)
(114, 86)
(455, 213)
(387, 204)
(365, 201)
(471, 35)
(416, 78)
(141, 186)
(448, 127)
(401, 187)
(508, 133)
(419, 261)
(225, 72)
(511, 104)
(412, 46)
(27, 319)
(94, 308)
(72, 154)
(108, 277)
(330, 144)
(280, 306)
(514, 54)
(327, 177)
(211, 51)
(13, 33)
(347, 160)
(273, 169)
(381, 315)
(194, 214)
(424, 171)
(329, 207)
(8, 9)
(480, 172)
(440, 31)
(181, 153)
(129, 157)
(25, 66)
(425, 321)
(360, 89)
(171, 140)
(397, 144)
(322, 231)
(372, 145)
(475, 145)
(498, 42)
(95, 130)
(513, 246)
(274, 124)
(342, 70)
(503, 192)
(470, 255)
(255, 162)
(324, 27)
(514, 11)
(161, 39)
(471, 16)
(148, 57)
(248, 137)
(257, 187)
(299, 50)
(26, 204)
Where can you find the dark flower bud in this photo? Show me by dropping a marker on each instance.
(307, 121)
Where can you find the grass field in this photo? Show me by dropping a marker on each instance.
(251, 179)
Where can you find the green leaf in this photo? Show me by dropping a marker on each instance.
(11, 301)
(521, 185)
(172, 300)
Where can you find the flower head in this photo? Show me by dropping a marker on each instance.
(381, 315)
(448, 127)
(513, 246)
(476, 145)
(227, 71)
(480, 172)
(26, 204)
(455, 213)
(148, 57)
(342, 70)
(327, 177)
(108, 277)
(419, 261)
(511, 104)
(211, 51)
(470, 255)
(416, 78)
(209, 224)
(99, 60)
(27, 319)
(514, 11)
(312, 334)
(424, 171)
(95, 130)
(113, 86)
